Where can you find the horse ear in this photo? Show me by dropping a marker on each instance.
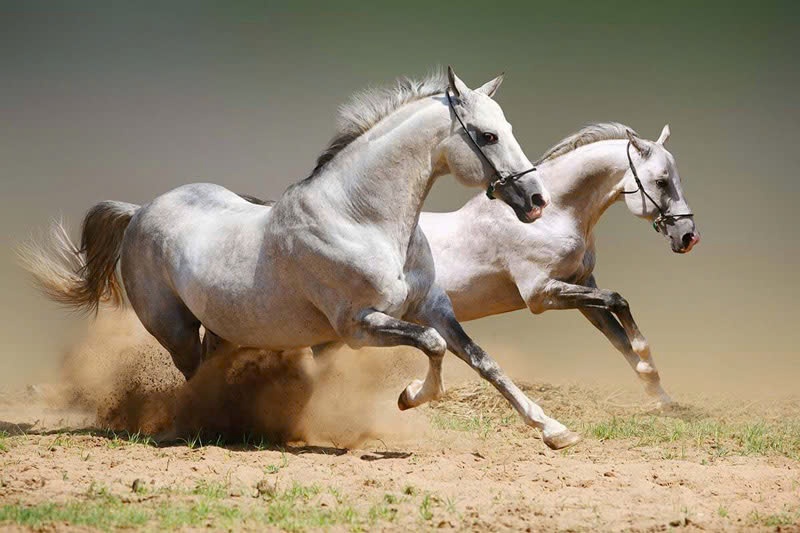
(490, 87)
(664, 135)
(458, 87)
(638, 143)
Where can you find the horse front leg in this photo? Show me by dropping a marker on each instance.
(588, 297)
(374, 328)
(604, 321)
(562, 295)
(645, 367)
(438, 313)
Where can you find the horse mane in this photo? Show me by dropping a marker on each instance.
(368, 107)
(601, 131)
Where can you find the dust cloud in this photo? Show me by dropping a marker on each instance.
(121, 376)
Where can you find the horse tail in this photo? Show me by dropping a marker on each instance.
(81, 278)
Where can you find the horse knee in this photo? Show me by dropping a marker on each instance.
(618, 303)
(432, 343)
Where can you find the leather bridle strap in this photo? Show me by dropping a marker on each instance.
(498, 181)
(663, 217)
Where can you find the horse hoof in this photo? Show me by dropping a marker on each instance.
(562, 440)
(403, 402)
(665, 403)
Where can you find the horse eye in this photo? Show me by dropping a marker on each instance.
(662, 183)
(489, 137)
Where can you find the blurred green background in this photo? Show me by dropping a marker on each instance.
(127, 100)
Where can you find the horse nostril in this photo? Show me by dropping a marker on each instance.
(538, 200)
(687, 239)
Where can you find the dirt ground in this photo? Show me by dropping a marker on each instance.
(72, 454)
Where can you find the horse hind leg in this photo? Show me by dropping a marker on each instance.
(181, 337)
(177, 329)
(213, 345)
(160, 310)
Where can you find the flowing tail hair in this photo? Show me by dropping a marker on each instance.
(81, 278)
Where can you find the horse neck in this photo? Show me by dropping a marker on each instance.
(588, 180)
(383, 178)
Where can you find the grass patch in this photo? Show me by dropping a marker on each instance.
(425, 511)
(119, 440)
(216, 514)
(477, 408)
(294, 509)
(210, 489)
(3, 442)
(275, 468)
(777, 520)
(104, 513)
(381, 512)
(717, 437)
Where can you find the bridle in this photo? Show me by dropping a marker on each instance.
(498, 181)
(663, 218)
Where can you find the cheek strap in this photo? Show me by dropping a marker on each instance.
(498, 180)
(663, 217)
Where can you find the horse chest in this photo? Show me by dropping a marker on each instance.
(397, 290)
(560, 254)
(582, 270)
(576, 261)
(374, 272)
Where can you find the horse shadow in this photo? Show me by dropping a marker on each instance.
(244, 443)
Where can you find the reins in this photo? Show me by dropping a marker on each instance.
(663, 217)
(498, 181)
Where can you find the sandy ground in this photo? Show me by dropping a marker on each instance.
(498, 478)
(355, 462)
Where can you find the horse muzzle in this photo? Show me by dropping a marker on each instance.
(688, 240)
(527, 208)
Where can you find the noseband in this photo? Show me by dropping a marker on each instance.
(663, 218)
(498, 180)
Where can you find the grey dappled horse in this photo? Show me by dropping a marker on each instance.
(488, 264)
(338, 258)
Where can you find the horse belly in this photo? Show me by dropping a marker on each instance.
(271, 324)
(483, 296)
(247, 301)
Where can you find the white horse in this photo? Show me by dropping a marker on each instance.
(338, 258)
(488, 264)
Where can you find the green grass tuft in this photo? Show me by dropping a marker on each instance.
(293, 509)
(787, 518)
(718, 437)
(210, 489)
(425, 508)
(104, 513)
